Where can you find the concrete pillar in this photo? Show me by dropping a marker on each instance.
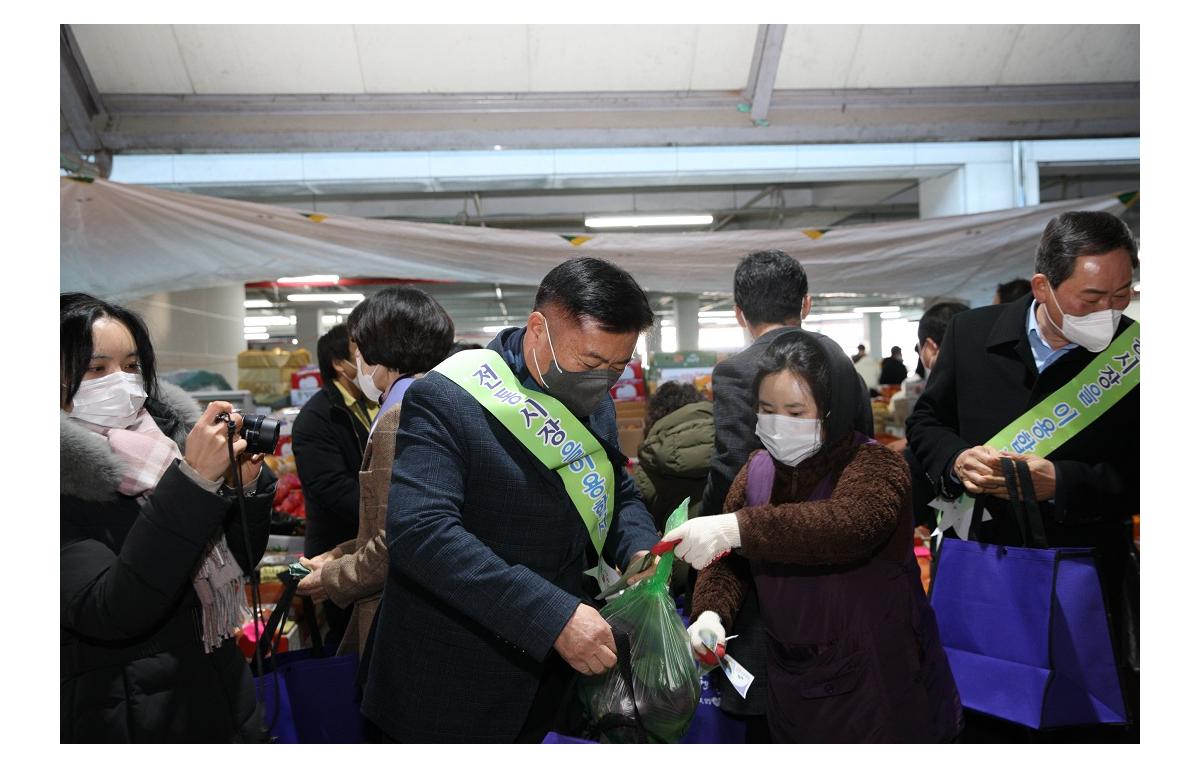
(200, 328)
(687, 320)
(308, 329)
(873, 329)
(654, 336)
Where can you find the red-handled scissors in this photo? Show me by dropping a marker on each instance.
(637, 567)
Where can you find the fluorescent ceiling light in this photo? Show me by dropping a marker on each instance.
(891, 316)
(345, 310)
(270, 320)
(325, 297)
(331, 319)
(1137, 286)
(257, 304)
(833, 316)
(719, 313)
(681, 220)
(877, 309)
(331, 279)
(255, 329)
(494, 328)
(257, 336)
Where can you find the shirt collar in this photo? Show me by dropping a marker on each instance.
(363, 411)
(1043, 354)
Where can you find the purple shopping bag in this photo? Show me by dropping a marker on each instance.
(1025, 628)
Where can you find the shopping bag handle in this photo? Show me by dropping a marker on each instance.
(1024, 502)
(283, 607)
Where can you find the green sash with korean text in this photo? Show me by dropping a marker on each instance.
(1048, 425)
(547, 429)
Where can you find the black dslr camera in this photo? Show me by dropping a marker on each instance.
(261, 432)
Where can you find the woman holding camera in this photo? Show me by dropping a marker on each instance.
(153, 550)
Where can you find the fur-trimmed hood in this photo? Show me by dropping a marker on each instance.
(88, 468)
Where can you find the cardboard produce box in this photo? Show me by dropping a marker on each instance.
(267, 373)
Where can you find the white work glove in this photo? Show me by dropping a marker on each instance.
(704, 539)
(707, 626)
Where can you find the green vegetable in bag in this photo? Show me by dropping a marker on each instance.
(666, 681)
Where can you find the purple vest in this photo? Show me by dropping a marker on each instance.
(853, 653)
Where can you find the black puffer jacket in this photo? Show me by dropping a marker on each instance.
(132, 665)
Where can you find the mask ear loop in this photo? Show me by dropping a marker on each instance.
(553, 354)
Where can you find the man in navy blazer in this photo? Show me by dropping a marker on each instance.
(486, 608)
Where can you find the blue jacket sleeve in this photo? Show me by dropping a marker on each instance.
(429, 544)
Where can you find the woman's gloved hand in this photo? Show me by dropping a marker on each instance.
(705, 539)
(707, 627)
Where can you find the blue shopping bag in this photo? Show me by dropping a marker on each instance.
(710, 724)
(309, 696)
(1025, 628)
(318, 699)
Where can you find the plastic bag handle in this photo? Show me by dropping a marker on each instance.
(625, 663)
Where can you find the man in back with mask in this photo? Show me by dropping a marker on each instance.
(507, 485)
(998, 362)
(770, 295)
(328, 439)
(931, 329)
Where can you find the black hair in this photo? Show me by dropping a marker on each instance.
(769, 287)
(1012, 290)
(401, 328)
(1081, 233)
(803, 356)
(459, 346)
(333, 346)
(668, 398)
(933, 322)
(78, 312)
(593, 288)
(896, 351)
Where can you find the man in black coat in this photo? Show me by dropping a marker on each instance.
(328, 439)
(485, 611)
(893, 370)
(997, 362)
(770, 294)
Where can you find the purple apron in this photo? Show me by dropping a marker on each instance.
(852, 651)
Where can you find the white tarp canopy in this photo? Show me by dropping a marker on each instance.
(121, 241)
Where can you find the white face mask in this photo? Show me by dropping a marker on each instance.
(787, 438)
(1093, 331)
(364, 380)
(110, 401)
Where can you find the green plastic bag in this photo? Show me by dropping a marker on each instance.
(666, 680)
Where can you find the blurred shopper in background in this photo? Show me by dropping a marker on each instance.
(1011, 291)
(674, 457)
(893, 370)
(328, 439)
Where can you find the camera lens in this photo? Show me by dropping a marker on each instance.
(261, 433)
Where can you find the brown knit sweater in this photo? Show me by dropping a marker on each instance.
(867, 516)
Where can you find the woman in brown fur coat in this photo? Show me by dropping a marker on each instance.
(820, 525)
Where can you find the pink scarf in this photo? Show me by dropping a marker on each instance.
(146, 454)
